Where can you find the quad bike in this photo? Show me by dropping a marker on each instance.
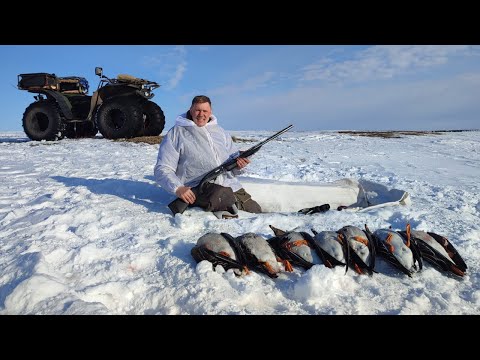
(119, 108)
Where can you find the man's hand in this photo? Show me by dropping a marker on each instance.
(186, 194)
(242, 162)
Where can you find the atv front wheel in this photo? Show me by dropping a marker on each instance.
(42, 121)
(153, 120)
(119, 118)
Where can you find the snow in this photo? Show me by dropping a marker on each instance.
(85, 230)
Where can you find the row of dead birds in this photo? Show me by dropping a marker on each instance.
(349, 247)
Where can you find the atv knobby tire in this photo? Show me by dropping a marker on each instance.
(153, 119)
(119, 118)
(42, 121)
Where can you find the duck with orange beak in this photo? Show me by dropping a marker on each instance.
(220, 249)
(400, 251)
(294, 248)
(362, 249)
(259, 255)
(440, 252)
(332, 248)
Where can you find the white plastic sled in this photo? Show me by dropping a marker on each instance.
(355, 195)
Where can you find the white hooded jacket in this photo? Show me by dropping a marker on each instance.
(188, 152)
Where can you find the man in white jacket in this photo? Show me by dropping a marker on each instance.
(193, 147)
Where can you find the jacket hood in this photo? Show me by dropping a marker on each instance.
(182, 120)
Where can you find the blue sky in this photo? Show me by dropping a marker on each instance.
(266, 87)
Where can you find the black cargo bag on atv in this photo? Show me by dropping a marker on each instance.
(37, 81)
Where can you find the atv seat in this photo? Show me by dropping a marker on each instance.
(131, 79)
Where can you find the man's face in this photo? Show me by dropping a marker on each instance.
(201, 113)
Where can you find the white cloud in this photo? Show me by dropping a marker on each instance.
(170, 66)
(381, 62)
(177, 76)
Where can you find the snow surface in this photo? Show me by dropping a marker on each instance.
(85, 230)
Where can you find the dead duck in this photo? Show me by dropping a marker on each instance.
(293, 247)
(438, 251)
(220, 249)
(362, 249)
(332, 248)
(399, 250)
(258, 254)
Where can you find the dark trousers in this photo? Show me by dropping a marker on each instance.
(220, 198)
(215, 197)
(246, 203)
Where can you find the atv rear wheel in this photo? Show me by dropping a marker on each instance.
(153, 119)
(119, 118)
(42, 121)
